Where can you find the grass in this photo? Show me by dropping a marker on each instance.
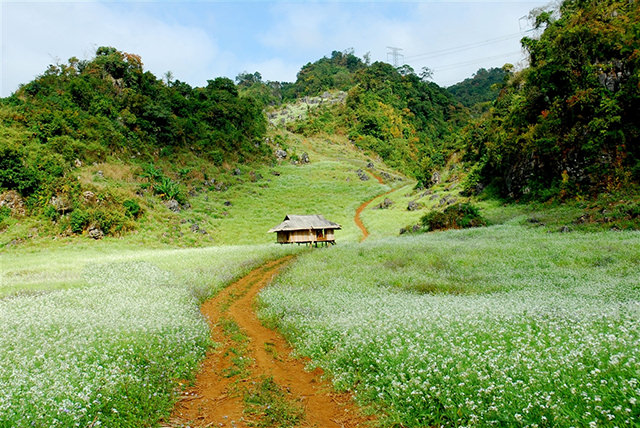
(116, 329)
(268, 405)
(508, 325)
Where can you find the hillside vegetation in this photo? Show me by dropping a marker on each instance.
(109, 109)
(567, 125)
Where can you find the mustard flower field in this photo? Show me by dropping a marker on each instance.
(500, 326)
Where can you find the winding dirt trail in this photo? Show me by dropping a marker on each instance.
(217, 398)
(357, 219)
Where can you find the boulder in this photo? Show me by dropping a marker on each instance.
(62, 204)
(89, 196)
(304, 158)
(12, 200)
(281, 154)
(95, 232)
(173, 205)
(384, 204)
(413, 206)
(435, 178)
(362, 175)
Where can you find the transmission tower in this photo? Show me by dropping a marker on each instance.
(395, 55)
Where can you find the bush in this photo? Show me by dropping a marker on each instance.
(79, 219)
(458, 216)
(132, 208)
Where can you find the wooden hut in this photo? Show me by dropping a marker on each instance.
(306, 229)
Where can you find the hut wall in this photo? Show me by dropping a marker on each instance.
(330, 236)
(302, 236)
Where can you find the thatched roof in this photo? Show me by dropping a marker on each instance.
(305, 222)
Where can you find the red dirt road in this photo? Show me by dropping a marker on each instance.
(359, 223)
(216, 399)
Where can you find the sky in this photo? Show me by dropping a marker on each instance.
(204, 39)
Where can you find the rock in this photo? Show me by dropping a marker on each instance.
(194, 227)
(237, 171)
(435, 178)
(210, 182)
(276, 173)
(304, 158)
(12, 200)
(403, 230)
(77, 163)
(173, 205)
(385, 175)
(565, 229)
(452, 201)
(255, 176)
(220, 187)
(100, 174)
(413, 206)
(281, 154)
(415, 228)
(95, 232)
(61, 203)
(227, 203)
(370, 165)
(89, 196)
(384, 204)
(362, 175)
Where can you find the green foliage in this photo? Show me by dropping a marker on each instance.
(168, 189)
(79, 220)
(108, 107)
(335, 73)
(132, 208)
(392, 112)
(5, 213)
(482, 87)
(458, 216)
(567, 125)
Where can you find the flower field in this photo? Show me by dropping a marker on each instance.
(500, 326)
(110, 350)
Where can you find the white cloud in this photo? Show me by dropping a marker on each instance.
(38, 34)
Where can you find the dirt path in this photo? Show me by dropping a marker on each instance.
(359, 223)
(250, 353)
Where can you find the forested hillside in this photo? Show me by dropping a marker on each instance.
(568, 124)
(109, 108)
(482, 88)
(392, 112)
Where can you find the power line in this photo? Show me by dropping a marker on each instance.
(456, 49)
(474, 61)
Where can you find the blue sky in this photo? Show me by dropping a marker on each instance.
(200, 40)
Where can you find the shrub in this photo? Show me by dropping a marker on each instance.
(79, 219)
(132, 208)
(169, 189)
(458, 216)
